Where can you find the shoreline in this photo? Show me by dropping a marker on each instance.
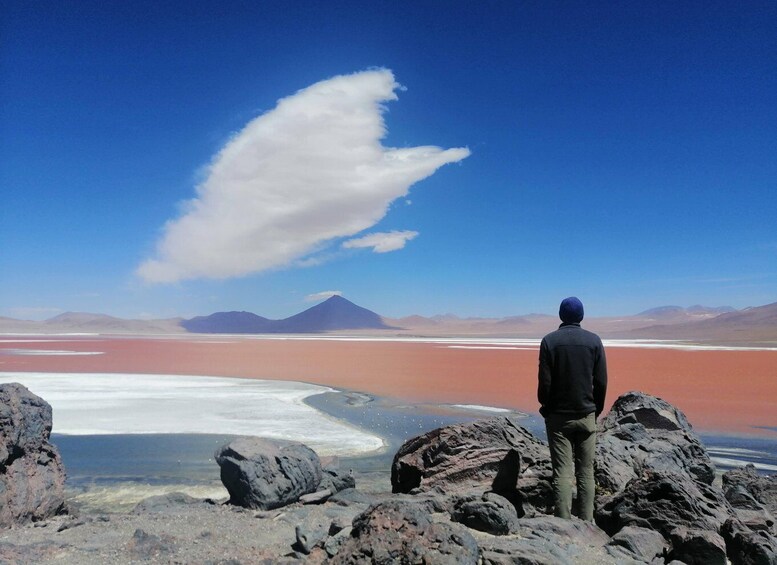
(113, 472)
(743, 344)
(396, 421)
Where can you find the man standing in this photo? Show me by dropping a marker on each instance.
(572, 387)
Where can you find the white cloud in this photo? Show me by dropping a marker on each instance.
(304, 174)
(382, 242)
(322, 295)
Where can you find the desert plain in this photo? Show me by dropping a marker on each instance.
(722, 390)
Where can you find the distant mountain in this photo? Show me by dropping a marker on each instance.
(83, 322)
(70, 322)
(699, 323)
(698, 309)
(753, 316)
(750, 324)
(228, 323)
(78, 319)
(449, 325)
(415, 320)
(12, 325)
(692, 312)
(335, 313)
(514, 320)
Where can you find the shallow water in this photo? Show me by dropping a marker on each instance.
(109, 473)
(116, 467)
(114, 472)
(728, 452)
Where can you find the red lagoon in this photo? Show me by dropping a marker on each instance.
(730, 391)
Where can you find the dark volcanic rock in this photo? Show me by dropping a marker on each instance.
(534, 492)
(549, 541)
(307, 540)
(396, 531)
(318, 497)
(762, 488)
(638, 543)
(336, 541)
(652, 471)
(644, 433)
(488, 453)
(265, 474)
(747, 547)
(335, 479)
(752, 537)
(697, 547)
(32, 477)
(751, 512)
(663, 501)
(490, 513)
(314, 528)
(351, 496)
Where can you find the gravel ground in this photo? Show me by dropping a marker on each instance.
(197, 533)
(179, 529)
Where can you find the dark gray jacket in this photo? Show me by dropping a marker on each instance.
(573, 372)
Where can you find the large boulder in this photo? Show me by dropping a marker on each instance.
(636, 543)
(652, 471)
(751, 537)
(655, 492)
(336, 479)
(489, 454)
(489, 513)
(32, 478)
(698, 547)
(663, 501)
(398, 531)
(643, 433)
(761, 488)
(745, 546)
(267, 473)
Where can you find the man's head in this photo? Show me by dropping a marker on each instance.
(571, 310)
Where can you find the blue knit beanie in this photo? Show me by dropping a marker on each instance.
(571, 310)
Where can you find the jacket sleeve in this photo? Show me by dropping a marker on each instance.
(544, 377)
(600, 379)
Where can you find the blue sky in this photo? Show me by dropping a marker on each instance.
(621, 152)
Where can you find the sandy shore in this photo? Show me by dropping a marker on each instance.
(724, 391)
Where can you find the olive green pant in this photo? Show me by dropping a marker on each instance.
(572, 445)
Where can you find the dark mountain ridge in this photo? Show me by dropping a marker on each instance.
(228, 322)
(335, 313)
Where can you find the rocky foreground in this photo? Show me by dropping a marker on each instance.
(468, 493)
